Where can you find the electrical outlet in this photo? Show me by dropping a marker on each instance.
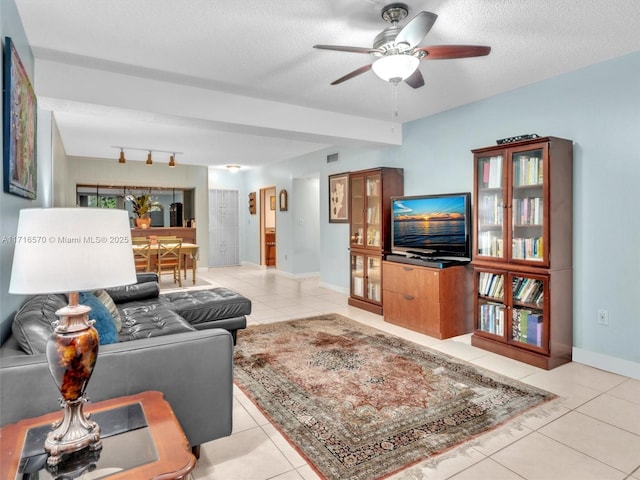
(603, 317)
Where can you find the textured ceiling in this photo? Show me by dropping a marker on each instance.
(239, 82)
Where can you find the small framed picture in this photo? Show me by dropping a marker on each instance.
(339, 198)
(272, 202)
(284, 200)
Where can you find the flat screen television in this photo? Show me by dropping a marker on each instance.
(432, 226)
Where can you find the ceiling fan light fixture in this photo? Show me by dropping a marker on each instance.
(122, 159)
(172, 161)
(149, 160)
(395, 68)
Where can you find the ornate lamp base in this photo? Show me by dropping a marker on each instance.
(72, 351)
(72, 433)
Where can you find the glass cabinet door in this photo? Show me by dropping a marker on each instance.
(357, 275)
(357, 211)
(527, 318)
(374, 279)
(373, 187)
(491, 307)
(490, 233)
(527, 206)
(366, 277)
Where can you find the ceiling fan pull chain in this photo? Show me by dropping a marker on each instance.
(394, 104)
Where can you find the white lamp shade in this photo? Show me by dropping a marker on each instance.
(395, 67)
(59, 250)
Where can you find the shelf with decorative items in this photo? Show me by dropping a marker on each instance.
(522, 255)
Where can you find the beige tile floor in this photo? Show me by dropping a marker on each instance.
(591, 432)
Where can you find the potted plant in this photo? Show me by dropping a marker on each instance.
(142, 205)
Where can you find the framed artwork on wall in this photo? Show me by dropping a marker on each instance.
(284, 200)
(272, 202)
(339, 198)
(19, 124)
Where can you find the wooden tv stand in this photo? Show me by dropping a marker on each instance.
(433, 301)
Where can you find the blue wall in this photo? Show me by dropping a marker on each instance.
(597, 107)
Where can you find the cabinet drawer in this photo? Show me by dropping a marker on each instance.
(412, 312)
(411, 280)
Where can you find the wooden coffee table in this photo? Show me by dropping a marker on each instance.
(141, 438)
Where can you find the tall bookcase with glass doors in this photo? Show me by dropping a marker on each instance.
(370, 193)
(522, 250)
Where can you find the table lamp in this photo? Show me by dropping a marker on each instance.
(68, 250)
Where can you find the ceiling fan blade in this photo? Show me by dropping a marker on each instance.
(414, 31)
(342, 48)
(442, 52)
(415, 80)
(349, 76)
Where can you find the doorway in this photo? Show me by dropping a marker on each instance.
(268, 227)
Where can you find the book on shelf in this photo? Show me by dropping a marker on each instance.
(491, 212)
(492, 318)
(526, 327)
(527, 290)
(491, 284)
(373, 187)
(358, 286)
(527, 248)
(527, 170)
(490, 244)
(495, 172)
(527, 211)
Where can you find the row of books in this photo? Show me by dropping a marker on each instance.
(373, 187)
(373, 215)
(492, 318)
(373, 291)
(527, 170)
(491, 209)
(527, 211)
(490, 244)
(491, 284)
(527, 248)
(526, 326)
(491, 172)
(527, 290)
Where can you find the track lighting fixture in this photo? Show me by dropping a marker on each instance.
(172, 156)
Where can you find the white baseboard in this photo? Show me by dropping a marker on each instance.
(606, 362)
(335, 288)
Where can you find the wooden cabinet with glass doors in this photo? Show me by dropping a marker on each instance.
(370, 235)
(522, 255)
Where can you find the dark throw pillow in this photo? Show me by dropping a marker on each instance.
(105, 325)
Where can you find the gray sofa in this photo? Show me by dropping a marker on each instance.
(180, 344)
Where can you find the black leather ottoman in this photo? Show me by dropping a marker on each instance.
(213, 308)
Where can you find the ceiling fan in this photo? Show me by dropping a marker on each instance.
(396, 48)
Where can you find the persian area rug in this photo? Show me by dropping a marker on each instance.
(360, 404)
